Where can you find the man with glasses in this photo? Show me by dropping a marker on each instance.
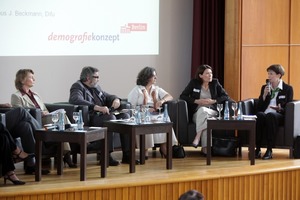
(86, 91)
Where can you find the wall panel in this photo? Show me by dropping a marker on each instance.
(275, 185)
(254, 64)
(295, 70)
(265, 22)
(295, 19)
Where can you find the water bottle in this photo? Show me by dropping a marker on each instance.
(166, 114)
(61, 121)
(138, 118)
(80, 121)
(240, 112)
(226, 111)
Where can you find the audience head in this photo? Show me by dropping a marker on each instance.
(277, 68)
(191, 195)
(89, 75)
(21, 77)
(145, 75)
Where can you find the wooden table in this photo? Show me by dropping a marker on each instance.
(81, 137)
(132, 129)
(232, 124)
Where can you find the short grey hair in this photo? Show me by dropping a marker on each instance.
(86, 72)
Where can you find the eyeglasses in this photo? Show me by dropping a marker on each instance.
(95, 77)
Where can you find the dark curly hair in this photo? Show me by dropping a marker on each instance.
(144, 75)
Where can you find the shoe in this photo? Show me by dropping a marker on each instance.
(257, 153)
(196, 140)
(113, 162)
(203, 151)
(162, 154)
(67, 160)
(31, 171)
(126, 160)
(268, 155)
(17, 158)
(15, 182)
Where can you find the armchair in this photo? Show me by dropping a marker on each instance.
(186, 128)
(286, 133)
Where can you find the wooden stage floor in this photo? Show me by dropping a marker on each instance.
(154, 172)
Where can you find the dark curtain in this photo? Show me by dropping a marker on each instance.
(208, 36)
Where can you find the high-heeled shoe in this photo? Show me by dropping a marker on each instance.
(17, 158)
(15, 182)
(196, 141)
(162, 154)
(195, 145)
(67, 160)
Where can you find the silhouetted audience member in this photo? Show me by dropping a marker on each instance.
(191, 195)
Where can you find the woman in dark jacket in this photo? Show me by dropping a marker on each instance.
(271, 108)
(202, 94)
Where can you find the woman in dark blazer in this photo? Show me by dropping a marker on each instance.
(271, 108)
(202, 94)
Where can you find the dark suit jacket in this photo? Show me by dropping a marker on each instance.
(284, 96)
(193, 90)
(80, 94)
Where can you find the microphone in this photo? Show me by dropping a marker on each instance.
(269, 85)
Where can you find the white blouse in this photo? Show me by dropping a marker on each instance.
(136, 96)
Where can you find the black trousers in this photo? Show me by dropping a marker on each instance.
(7, 146)
(21, 124)
(97, 120)
(267, 127)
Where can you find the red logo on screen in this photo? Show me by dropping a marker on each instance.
(131, 27)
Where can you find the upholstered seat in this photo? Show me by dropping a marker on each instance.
(286, 133)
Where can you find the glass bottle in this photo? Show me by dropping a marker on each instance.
(80, 121)
(61, 121)
(138, 118)
(166, 114)
(240, 112)
(226, 111)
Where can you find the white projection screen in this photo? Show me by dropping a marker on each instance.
(76, 27)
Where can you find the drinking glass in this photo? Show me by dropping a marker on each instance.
(76, 116)
(219, 108)
(132, 113)
(55, 119)
(234, 108)
(147, 114)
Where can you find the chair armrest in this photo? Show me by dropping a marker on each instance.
(248, 106)
(124, 104)
(292, 118)
(70, 108)
(35, 112)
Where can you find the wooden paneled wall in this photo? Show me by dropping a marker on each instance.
(277, 185)
(259, 33)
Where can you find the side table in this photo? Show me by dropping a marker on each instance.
(231, 124)
(132, 130)
(82, 137)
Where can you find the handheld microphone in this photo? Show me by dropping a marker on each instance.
(269, 85)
